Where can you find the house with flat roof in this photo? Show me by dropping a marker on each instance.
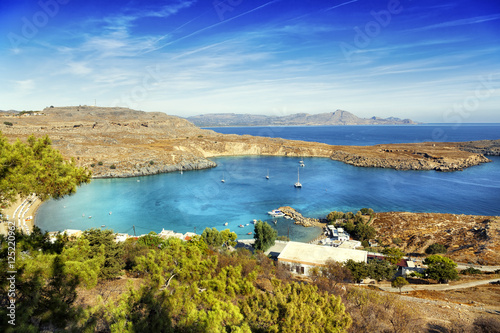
(301, 257)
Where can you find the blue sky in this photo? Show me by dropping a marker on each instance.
(425, 60)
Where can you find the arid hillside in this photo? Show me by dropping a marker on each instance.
(469, 238)
(118, 142)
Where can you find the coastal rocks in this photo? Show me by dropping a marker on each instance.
(123, 170)
(484, 147)
(439, 159)
(298, 218)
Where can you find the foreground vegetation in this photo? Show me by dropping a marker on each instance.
(184, 287)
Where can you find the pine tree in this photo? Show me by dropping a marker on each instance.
(264, 236)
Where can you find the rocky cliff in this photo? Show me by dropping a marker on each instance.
(118, 142)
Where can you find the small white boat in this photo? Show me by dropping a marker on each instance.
(222, 180)
(302, 165)
(254, 221)
(298, 184)
(276, 213)
(267, 176)
(226, 223)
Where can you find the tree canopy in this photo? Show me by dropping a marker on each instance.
(264, 236)
(35, 167)
(440, 268)
(214, 238)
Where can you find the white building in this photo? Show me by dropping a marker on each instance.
(301, 257)
(338, 234)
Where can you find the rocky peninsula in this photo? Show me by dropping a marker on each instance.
(120, 142)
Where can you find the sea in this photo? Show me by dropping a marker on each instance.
(195, 200)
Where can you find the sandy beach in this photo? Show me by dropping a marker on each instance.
(30, 212)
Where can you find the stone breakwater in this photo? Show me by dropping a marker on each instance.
(298, 218)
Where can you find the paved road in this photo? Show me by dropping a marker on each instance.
(440, 286)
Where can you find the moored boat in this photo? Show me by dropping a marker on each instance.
(276, 213)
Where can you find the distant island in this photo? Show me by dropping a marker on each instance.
(339, 117)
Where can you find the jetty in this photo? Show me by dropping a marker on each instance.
(298, 218)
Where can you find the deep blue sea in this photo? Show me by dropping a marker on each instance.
(197, 199)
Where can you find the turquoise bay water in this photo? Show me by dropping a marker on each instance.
(198, 199)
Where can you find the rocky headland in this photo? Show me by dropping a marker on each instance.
(119, 142)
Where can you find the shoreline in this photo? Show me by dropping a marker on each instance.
(31, 211)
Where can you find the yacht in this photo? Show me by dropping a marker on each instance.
(298, 184)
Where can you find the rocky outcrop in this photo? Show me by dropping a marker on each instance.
(298, 218)
(412, 161)
(144, 168)
(484, 147)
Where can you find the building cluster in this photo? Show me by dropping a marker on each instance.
(338, 237)
(121, 237)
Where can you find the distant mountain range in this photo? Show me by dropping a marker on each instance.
(338, 117)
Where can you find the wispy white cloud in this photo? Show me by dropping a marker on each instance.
(24, 86)
(460, 22)
(341, 4)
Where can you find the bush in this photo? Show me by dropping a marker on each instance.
(8, 123)
(151, 162)
(100, 163)
(112, 166)
(436, 248)
(397, 241)
(470, 271)
(92, 165)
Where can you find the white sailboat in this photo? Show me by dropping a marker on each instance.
(222, 180)
(267, 177)
(298, 184)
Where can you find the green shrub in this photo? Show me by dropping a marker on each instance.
(100, 163)
(436, 248)
(397, 241)
(92, 165)
(8, 123)
(151, 162)
(470, 271)
(112, 166)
